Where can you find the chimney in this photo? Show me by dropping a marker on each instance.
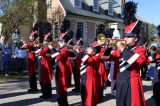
(122, 2)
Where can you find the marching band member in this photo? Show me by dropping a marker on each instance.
(62, 70)
(90, 77)
(102, 69)
(45, 72)
(131, 59)
(31, 61)
(69, 42)
(156, 79)
(77, 63)
(129, 91)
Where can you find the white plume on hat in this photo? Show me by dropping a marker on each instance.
(116, 34)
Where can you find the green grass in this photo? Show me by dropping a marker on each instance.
(12, 78)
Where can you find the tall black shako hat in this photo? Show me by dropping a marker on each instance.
(63, 30)
(132, 25)
(34, 32)
(69, 38)
(48, 37)
(47, 32)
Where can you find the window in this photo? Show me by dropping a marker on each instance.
(110, 9)
(78, 3)
(56, 30)
(96, 5)
(49, 6)
(80, 26)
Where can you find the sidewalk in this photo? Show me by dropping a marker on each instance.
(15, 94)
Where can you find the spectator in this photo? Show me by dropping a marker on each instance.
(21, 58)
(15, 39)
(7, 58)
(1, 60)
(2, 44)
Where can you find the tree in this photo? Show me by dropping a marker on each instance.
(16, 13)
(57, 16)
(151, 32)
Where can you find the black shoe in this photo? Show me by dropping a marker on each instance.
(32, 90)
(76, 90)
(42, 96)
(46, 96)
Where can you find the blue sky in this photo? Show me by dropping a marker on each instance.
(148, 10)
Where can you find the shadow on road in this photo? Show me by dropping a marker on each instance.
(8, 95)
(27, 102)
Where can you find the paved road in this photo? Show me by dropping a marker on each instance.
(14, 94)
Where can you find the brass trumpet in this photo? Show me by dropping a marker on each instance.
(102, 40)
(113, 42)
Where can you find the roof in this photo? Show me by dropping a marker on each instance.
(139, 18)
(68, 6)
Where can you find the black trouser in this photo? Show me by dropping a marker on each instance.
(101, 94)
(76, 80)
(83, 88)
(62, 99)
(123, 92)
(69, 81)
(33, 82)
(7, 66)
(46, 89)
(156, 93)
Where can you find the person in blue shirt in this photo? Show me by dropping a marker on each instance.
(7, 51)
(15, 39)
(2, 45)
(21, 58)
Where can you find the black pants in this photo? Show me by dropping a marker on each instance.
(123, 92)
(33, 82)
(76, 80)
(62, 100)
(156, 93)
(46, 89)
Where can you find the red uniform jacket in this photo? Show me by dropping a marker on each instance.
(31, 59)
(91, 86)
(46, 67)
(102, 70)
(64, 69)
(132, 65)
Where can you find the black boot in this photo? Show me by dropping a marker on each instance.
(63, 100)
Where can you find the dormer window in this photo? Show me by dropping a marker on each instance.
(96, 5)
(78, 3)
(110, 9)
